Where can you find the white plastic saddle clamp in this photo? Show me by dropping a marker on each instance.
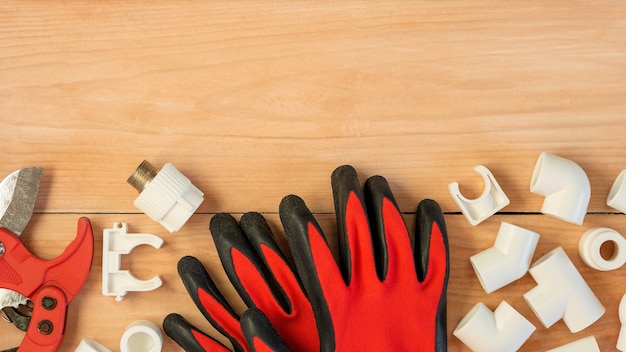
(509, 258)
(617, 194)
(503, 330)
(142, 336)
(488, 203)
(562, 293)
(116, 241)
(166, 196)
(89, 345)
(587, 344)
(564, 185)
(593, 239)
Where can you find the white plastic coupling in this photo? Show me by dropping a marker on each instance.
(564, 185)
(508, 260)
(116, 241)
(591, 242)
(503, 330)
(89, 345)
(562, 293)
(488, 203)
(587, 344)
(142, 336)
(617, 194)
(166, 196)
(621, 340)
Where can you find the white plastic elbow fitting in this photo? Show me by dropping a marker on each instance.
(589, 248)
(562, 293)
(142, 336)
(617, 194)
(488, 203)
(565, 186)
(587, 344)
(89, 345)
(166, 196)
(503, 330)
(509, 258)
(621, 340)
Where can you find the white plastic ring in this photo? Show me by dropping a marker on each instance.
(593, 239)
(142, 336)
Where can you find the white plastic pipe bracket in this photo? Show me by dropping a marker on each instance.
(488, 203)
(587, 344)
(617, 194)
(508, 260)
(621, 339)
(591, 242)
(562, 293)
(564, 185)
(142, 336)
(502, 330)
(116, 242)
(89, 345)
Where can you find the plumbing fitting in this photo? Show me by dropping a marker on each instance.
(166, 196)
(617, 194)
(565, 186)
(562, 293)
(502, 330)
(593, 239)
(587, 344)
(488, 203)
(89, 345)
(116, 241)
(142, 336)
(621, 340)
(508, 260)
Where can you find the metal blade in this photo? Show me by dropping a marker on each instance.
(18, 193)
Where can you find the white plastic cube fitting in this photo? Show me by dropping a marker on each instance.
(621, 339)
(508, 260)
(116, 242)
(168, 197)
(591, 242)
(562, 293)
(142, 336)
(89, 345)
(617, 194)
(564, 185)
(488, 203)
(587, 344)
(502, 330)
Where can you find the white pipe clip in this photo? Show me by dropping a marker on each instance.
(621, 340)
(508, 260)
(617, 194)
(587, 344)
(591, 242)
(564, 185)
(502, 330)
(116, 241)
(562, 293)
(142, 336)
(488, 203)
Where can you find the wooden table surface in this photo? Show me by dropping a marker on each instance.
(253, 100)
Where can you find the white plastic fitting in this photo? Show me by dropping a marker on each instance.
(166, 196)
(502, 330)
(565, 186)
(508, 260)
(116, 241)
(589, 248)
(488, 203)
(89, 345)
(621, 339)
(562, 293)
(142, 336)
(617, 194)
(587, 344)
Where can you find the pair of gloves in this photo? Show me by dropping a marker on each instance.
(386, 291)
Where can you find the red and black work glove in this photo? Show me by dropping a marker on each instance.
(387, 292)
(265, 281)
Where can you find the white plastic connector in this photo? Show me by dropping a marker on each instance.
(488, 203)
(503, 330)
(508, 260)
(562, 293)
(116, 241)
(617, 194)
(142, 336)
(166, 196)
(621, 340)
(89, 345)
(589, 248)
(565, 186)
(587, 344)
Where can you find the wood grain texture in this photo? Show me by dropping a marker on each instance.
(253, 100)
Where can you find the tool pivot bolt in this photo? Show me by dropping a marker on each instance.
(45, 327)
(48, 303)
